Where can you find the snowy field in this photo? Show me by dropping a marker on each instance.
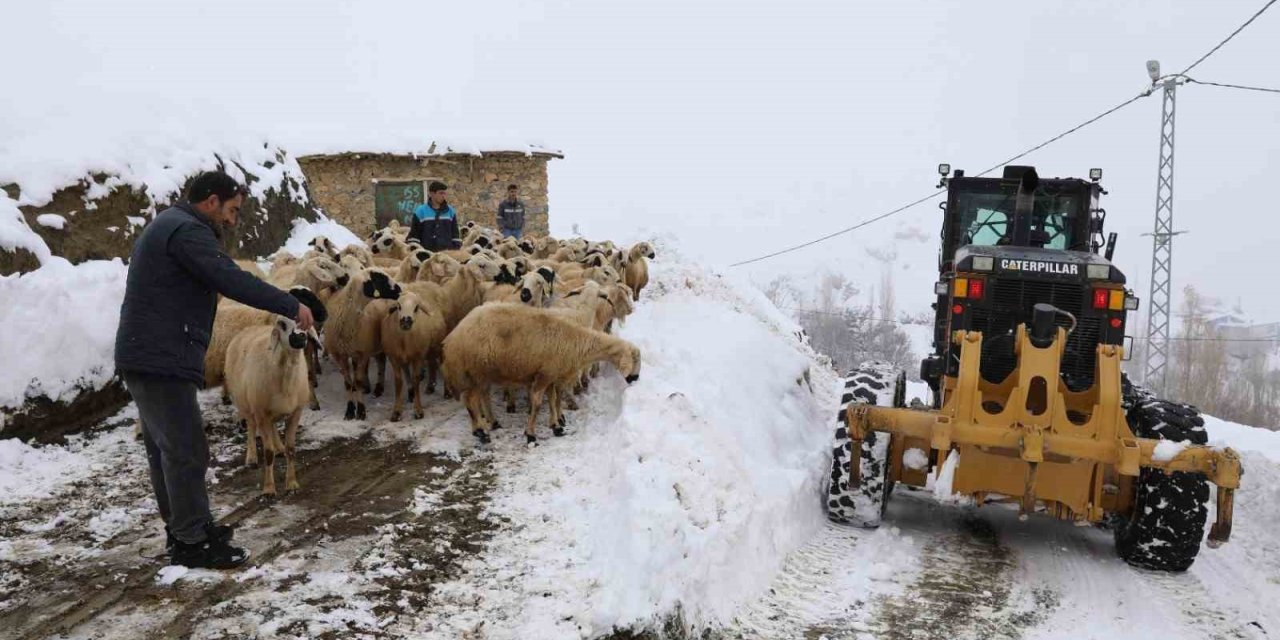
(687, 502)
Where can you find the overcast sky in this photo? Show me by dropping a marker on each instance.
(740, 127)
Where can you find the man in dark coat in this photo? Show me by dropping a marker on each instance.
(435, 223)
(511, 214)
(176, 270)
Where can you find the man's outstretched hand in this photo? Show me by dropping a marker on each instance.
(305, 319)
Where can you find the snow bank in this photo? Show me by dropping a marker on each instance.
(678, 495)
(1243, 437)
(73, 311)
(305, 231)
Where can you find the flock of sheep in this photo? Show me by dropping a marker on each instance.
(533, 315)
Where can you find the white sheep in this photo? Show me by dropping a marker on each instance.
(268, 379)
(507, 344)
(411, 329)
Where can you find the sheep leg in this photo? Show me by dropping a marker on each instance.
(510, 397)
(397, 374)
(556, 415)
(433, 368)
(250, 443)
(269, 457)
(313, 371)
(472, 400)
(348, 381)
(536, 392)
(362, 365)
(290, 446)
(382, 375)
(415, 369)
(488, 417)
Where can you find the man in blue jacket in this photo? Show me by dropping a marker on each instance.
(176, 270)
(435, 223)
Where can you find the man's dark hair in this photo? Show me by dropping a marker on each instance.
(436, 186)
(512, 186)
(214, 183)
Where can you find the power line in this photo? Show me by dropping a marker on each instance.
(1233, 86)
(904, 207)
(1228, 39)
(1046, 143)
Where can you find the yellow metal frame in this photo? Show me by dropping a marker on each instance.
(1029, 436)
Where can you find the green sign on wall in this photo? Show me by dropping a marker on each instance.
(396, 201)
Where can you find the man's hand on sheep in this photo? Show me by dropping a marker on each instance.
(305, 320)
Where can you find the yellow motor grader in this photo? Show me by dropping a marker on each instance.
(1029, 405)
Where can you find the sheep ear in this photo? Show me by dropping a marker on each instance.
(423, 255)
(393, 309)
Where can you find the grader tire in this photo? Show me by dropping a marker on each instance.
(875, 383)
(1167, 525)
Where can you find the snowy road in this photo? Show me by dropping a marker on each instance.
(937, 571)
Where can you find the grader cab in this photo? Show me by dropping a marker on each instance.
(1029, 405)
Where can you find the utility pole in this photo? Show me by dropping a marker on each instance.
(1162, 234)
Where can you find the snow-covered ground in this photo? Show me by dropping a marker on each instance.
(688, 501)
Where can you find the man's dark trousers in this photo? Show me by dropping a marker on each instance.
(178, 453)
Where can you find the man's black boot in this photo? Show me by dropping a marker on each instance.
(212, 553)
(222, 532)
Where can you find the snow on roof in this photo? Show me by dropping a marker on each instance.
(418, 144)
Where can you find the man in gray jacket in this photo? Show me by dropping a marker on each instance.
(511, 214)
(176, 270)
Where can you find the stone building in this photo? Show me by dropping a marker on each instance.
(363, 191)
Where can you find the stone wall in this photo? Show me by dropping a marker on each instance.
(343, 184)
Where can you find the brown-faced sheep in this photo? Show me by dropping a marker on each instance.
(268, 379)
(637, 272)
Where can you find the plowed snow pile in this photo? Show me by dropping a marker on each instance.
(680, 494)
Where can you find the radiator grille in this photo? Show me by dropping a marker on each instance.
(1010, 305)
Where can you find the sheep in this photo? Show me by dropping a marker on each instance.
(283, 258)
(532, 289)
(412, 265)
(637, 272)
(455, 300)
(387, 244)
(232, 318)
(342, 333)
(323, 246)
(320, 274)
(268, 379)
(411, 329)
(359, 252)
(510, 344)
(398, 229)
(439, 268)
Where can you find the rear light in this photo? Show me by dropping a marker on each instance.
(1116, 322)
(976, 286)
(1117, 300)
(957, 309)
(1100, 298)
(961, 288)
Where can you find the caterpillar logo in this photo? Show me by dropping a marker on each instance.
(1039, 266)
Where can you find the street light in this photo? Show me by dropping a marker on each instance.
(1153, 69)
